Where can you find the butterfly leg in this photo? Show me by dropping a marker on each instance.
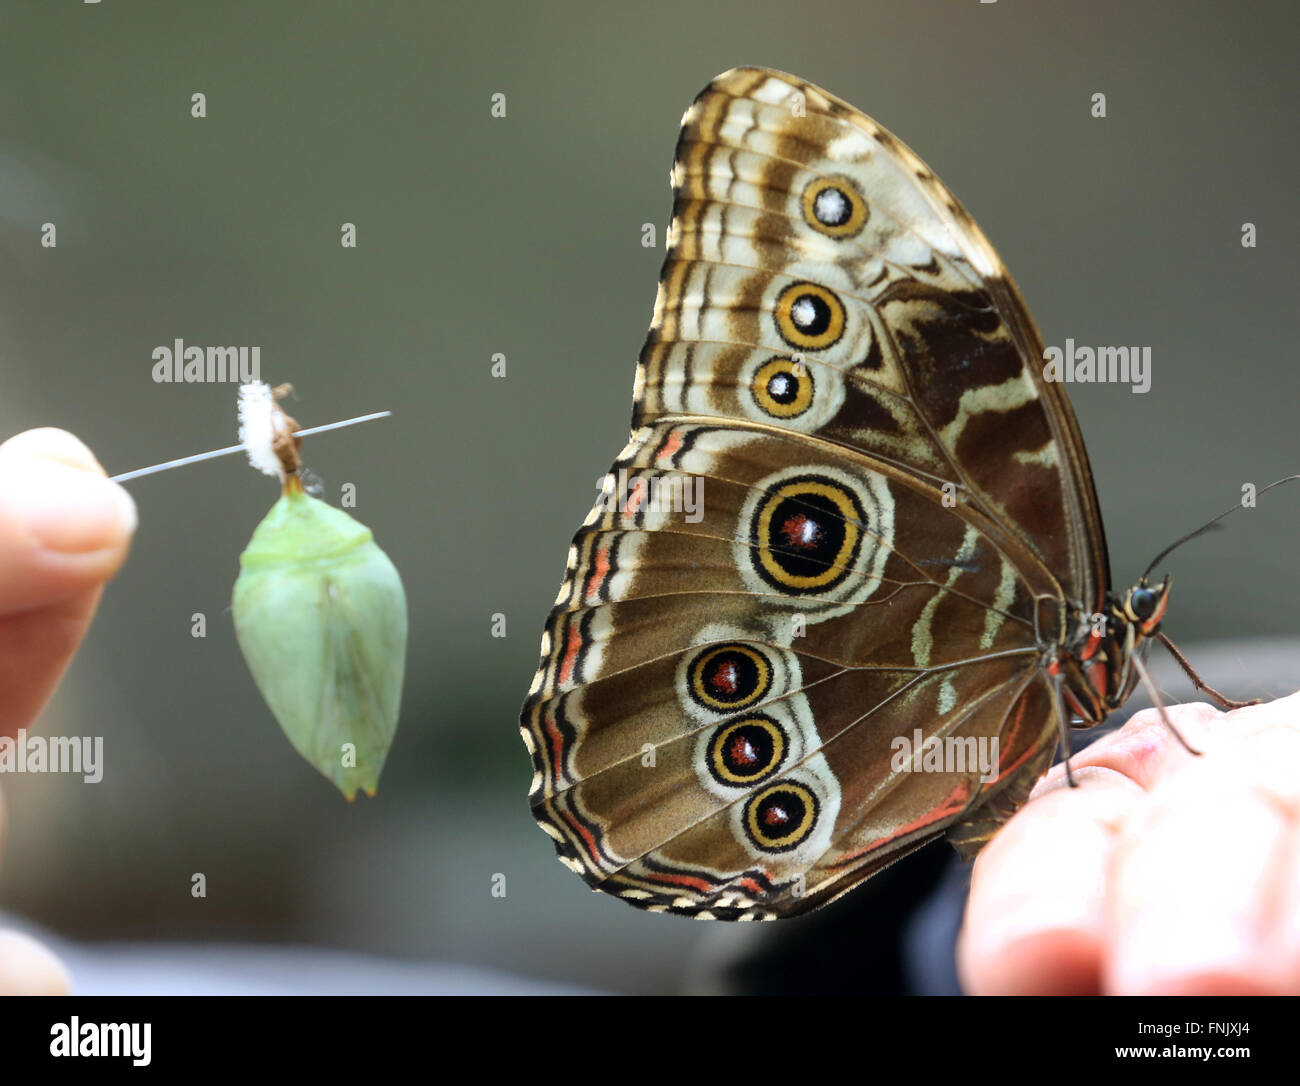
(1064, 721)
(1159, 702)
(1200, 684)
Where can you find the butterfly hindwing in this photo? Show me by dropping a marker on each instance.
(769, 652)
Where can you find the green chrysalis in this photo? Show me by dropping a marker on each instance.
(320, 616)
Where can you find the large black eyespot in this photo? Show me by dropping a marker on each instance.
(833, 206)
(808, 532)
(809, 316)
(781, 816)
(783, 388)
(729, 677)
(1142, 603)
(747, 751)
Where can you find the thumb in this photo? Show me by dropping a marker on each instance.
(28, 968)
(64, 531)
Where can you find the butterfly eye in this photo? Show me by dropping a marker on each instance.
(1142, 603)
(809, 316)
(832, 206)
(783, 388)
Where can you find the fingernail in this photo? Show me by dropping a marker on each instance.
(51, 443)
(71, 511)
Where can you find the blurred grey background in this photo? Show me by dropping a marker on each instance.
(522, 235)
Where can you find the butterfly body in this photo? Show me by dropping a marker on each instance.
(1097, 671)
(750, 701)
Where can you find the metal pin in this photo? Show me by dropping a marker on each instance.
(197, 457)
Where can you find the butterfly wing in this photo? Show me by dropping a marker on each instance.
(715, 723)
(732, 713)
(915, 344)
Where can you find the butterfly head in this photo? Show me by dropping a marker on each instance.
(1144, 605)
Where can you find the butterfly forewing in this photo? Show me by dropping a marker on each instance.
(918, 348)
(892, 512)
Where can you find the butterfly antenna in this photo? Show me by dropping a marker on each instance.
(1208, 525)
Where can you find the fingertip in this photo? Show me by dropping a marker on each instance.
(64, 526)
(51, 443)
(29, 968)
(67, 510)
(1035, 918)
(1044, 962)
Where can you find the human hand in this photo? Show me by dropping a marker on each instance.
(1163, 873)
(64, 531)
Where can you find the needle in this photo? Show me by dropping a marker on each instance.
(155, 468)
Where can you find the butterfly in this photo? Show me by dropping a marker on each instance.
(853, 541)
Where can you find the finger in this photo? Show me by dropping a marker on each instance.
(64, 531)
(1035, 919)
(1271, 747)
(1194, 884)
(1284, 936)
(1144, 748)
(64, 526)
(28, 968)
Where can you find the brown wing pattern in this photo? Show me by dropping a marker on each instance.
(937, 365)
(738, 694)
